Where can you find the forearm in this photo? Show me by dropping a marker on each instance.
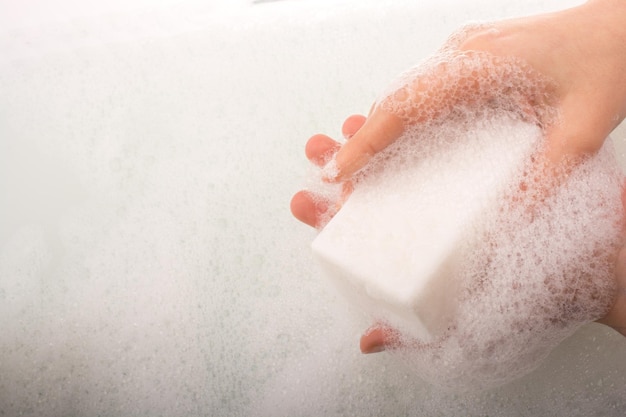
(604, 36)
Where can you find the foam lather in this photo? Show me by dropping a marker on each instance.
(395, 246)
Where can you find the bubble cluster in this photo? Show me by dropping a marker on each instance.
(541, 261)
(457, 77)
(535, 275)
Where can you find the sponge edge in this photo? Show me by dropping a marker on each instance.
(395, 247)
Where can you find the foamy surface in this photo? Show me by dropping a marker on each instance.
(481, 276)
(148, 261)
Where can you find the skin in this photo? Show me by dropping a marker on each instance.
(583, 50)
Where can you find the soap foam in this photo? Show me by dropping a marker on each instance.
(542, 263)
(540, 272)
(398, 237)
(455, 76)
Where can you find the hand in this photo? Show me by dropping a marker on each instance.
(581, 50)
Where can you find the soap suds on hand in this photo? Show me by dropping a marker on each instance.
(462, 238)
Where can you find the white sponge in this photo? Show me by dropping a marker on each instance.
(395, 245)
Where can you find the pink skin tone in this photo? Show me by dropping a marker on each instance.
(583, 50)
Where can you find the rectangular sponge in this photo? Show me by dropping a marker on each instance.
(397, 245)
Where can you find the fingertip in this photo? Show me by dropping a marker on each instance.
(319, 149)
(303, 208)
(352, 124)
(373, 341)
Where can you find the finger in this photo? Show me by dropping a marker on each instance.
(378, 131)
(319, 149)
(378, 338)
(352, 125)
(308, 208)
(373, 341)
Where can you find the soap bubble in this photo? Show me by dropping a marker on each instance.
(537, 265)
